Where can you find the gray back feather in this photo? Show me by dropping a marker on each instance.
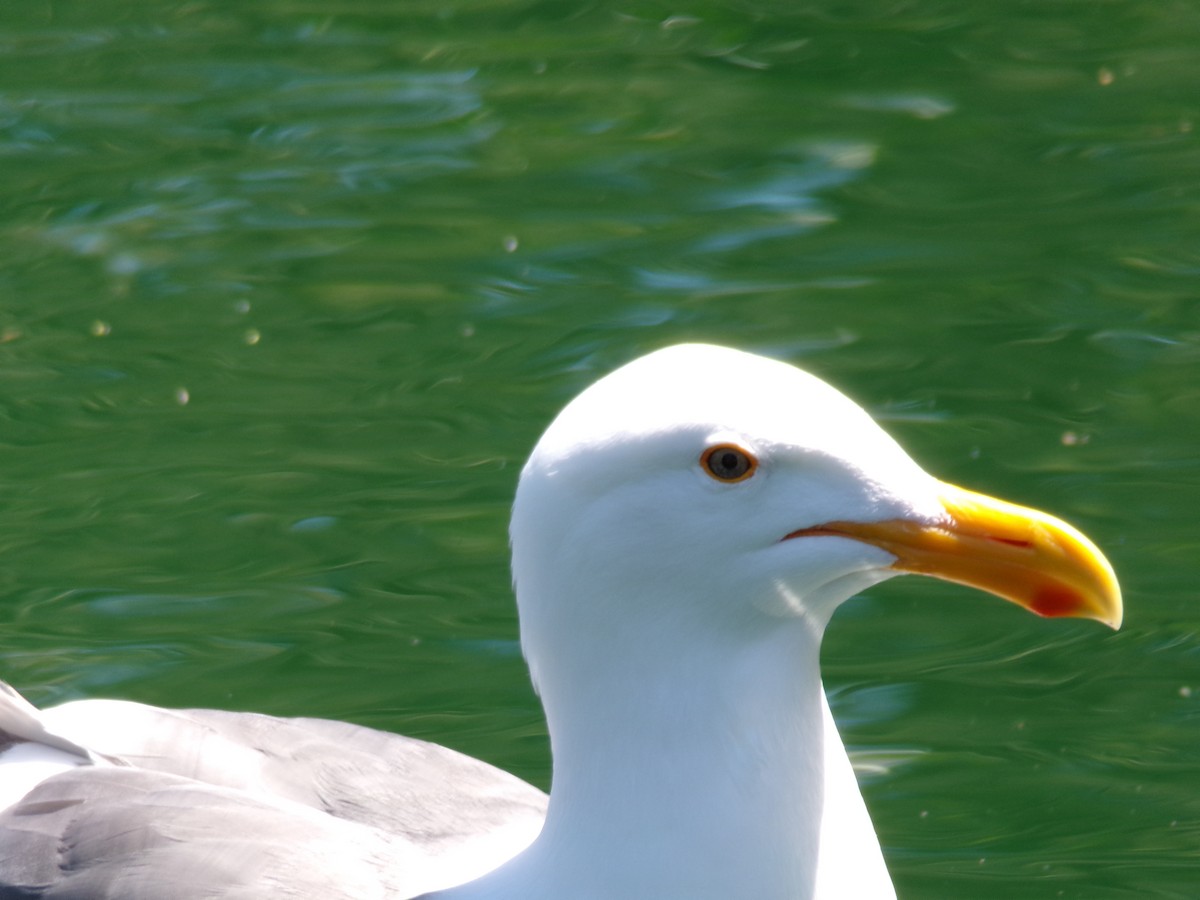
(238, 805)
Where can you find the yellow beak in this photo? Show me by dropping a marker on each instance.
(1020, 554)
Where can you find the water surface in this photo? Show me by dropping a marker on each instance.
(289, 290)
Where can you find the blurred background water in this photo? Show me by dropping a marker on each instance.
(289, 289)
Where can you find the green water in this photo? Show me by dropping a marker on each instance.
(289, 289)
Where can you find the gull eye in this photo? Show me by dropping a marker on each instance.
(728, 462)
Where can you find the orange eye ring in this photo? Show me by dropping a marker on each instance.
(728, 463)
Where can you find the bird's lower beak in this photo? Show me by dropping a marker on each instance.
(1020, 554)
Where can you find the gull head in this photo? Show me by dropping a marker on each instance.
(707, 492)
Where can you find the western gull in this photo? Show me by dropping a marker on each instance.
(681, 535)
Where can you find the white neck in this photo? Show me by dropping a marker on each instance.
(680, 770)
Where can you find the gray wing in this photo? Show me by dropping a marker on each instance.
(129, 833)
(204, 803)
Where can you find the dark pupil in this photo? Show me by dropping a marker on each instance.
(731, 463)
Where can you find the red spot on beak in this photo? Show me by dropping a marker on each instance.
(1056, 601)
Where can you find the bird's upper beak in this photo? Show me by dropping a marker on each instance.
(1020, 554)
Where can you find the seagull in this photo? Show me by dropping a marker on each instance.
(681, 535)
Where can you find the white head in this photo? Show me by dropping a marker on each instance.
(619, 492)
(621, 522)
